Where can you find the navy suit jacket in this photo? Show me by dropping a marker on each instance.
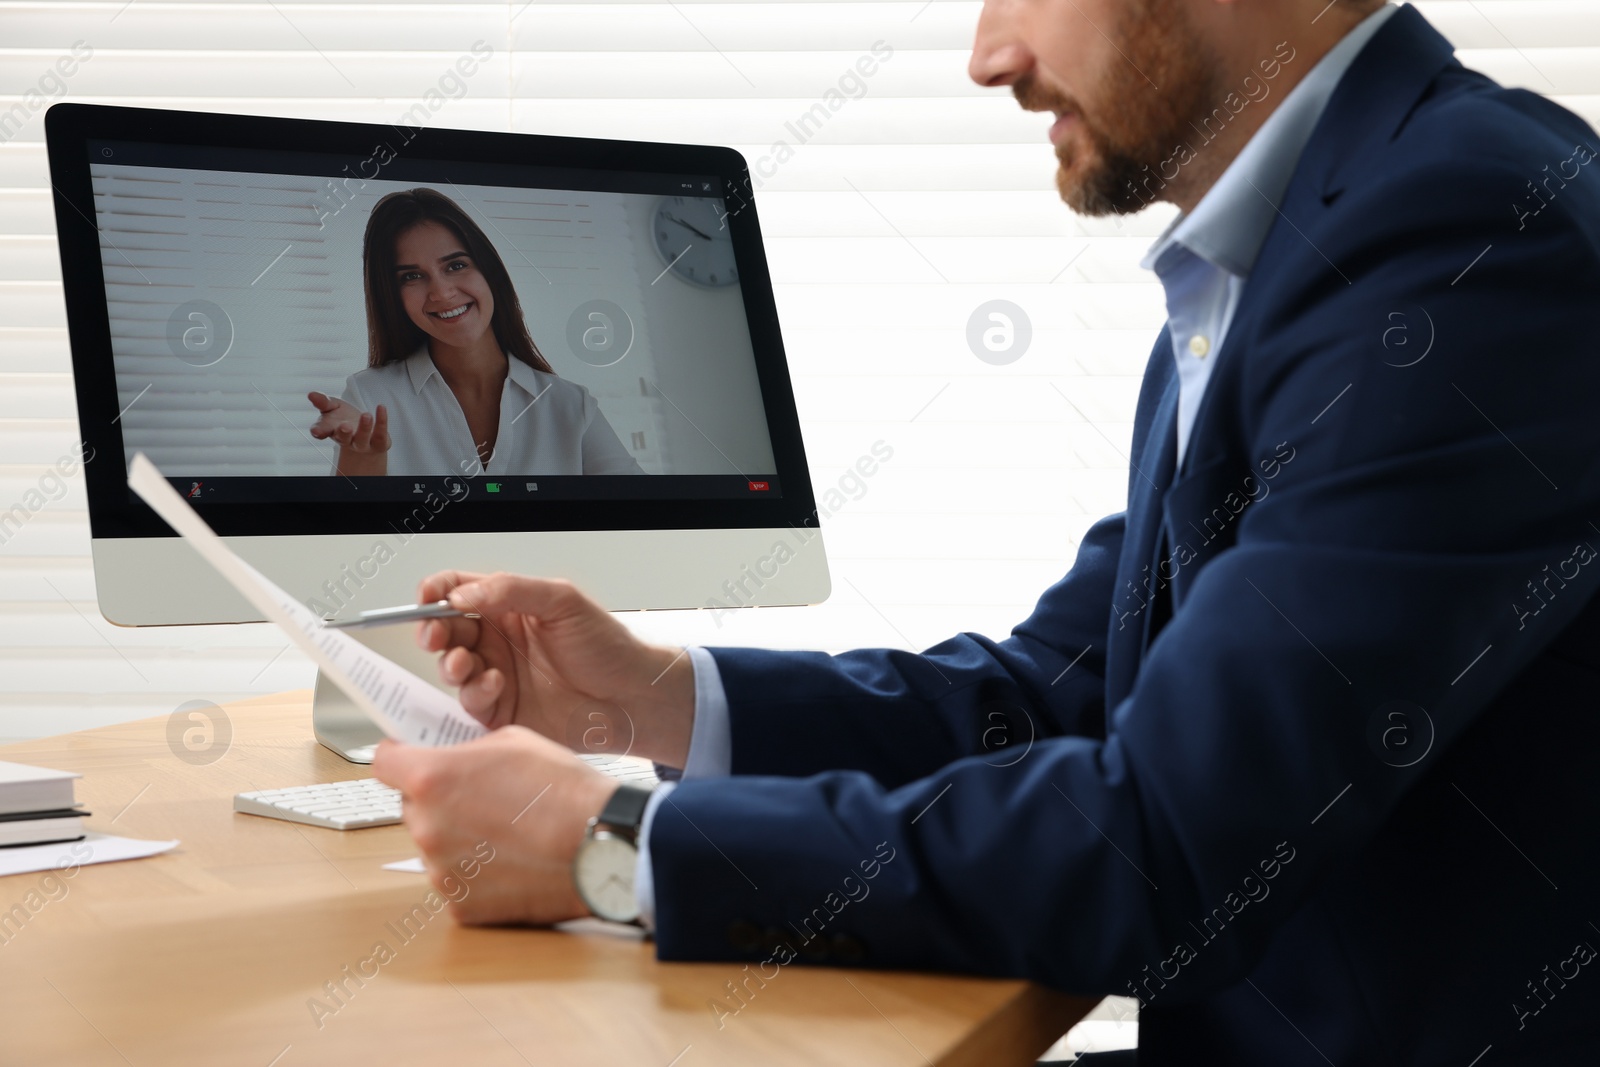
(1302, 750)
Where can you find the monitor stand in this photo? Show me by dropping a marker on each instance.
(345, 728)
(340, 725)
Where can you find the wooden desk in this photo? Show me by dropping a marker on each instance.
(211, 954)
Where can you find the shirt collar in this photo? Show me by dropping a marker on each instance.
(1230, 223)
(419, 368)
(524, 375)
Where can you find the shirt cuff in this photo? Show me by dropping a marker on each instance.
(644, 886)
(710, 756)
(711, 737)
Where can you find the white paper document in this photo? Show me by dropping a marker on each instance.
(94, 848)
(404, 706)
(410, 866)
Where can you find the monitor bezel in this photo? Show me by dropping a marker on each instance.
(114, 512)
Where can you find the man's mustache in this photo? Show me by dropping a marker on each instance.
(1032, 96)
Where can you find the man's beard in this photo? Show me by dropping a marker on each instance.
(1133, 126)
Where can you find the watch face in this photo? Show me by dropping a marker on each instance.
(603, 870)
(692, 236)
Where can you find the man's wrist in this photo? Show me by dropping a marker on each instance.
(663, 709)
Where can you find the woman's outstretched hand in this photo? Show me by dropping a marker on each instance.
(362, 437)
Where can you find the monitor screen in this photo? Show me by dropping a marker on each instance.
(546, 329)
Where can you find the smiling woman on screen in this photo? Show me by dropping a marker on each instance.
(452, 376)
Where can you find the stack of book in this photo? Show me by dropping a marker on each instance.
(37, 806)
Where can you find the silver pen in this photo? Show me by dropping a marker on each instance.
(439, 609)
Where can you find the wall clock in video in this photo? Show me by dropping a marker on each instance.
(692, 237)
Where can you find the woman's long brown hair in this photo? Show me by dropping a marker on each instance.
(391, 335)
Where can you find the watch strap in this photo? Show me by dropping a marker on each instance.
(625, 810)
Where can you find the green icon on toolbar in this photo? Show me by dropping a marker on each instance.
(493, 487)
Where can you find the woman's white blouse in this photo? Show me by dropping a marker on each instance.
(547, 425)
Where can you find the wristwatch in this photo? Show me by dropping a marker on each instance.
(604, 867)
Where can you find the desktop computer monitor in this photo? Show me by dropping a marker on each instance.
(573, 343)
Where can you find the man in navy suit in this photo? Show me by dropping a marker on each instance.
(1301, 751)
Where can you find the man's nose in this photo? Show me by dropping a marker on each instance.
(998, 55)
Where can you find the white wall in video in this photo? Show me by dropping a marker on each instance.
(234, 296)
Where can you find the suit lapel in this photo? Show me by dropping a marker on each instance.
(1153, 462)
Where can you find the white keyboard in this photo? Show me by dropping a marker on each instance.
(336, 805)
(630, 769)
(364, 802)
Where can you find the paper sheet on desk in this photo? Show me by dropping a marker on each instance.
(404, 706)
(93, 848)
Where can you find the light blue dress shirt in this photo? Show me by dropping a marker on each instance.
(1203, 260)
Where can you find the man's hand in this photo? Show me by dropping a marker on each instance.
(527, 798)
(547, 657)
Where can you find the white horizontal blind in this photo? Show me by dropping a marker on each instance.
(892, 209)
